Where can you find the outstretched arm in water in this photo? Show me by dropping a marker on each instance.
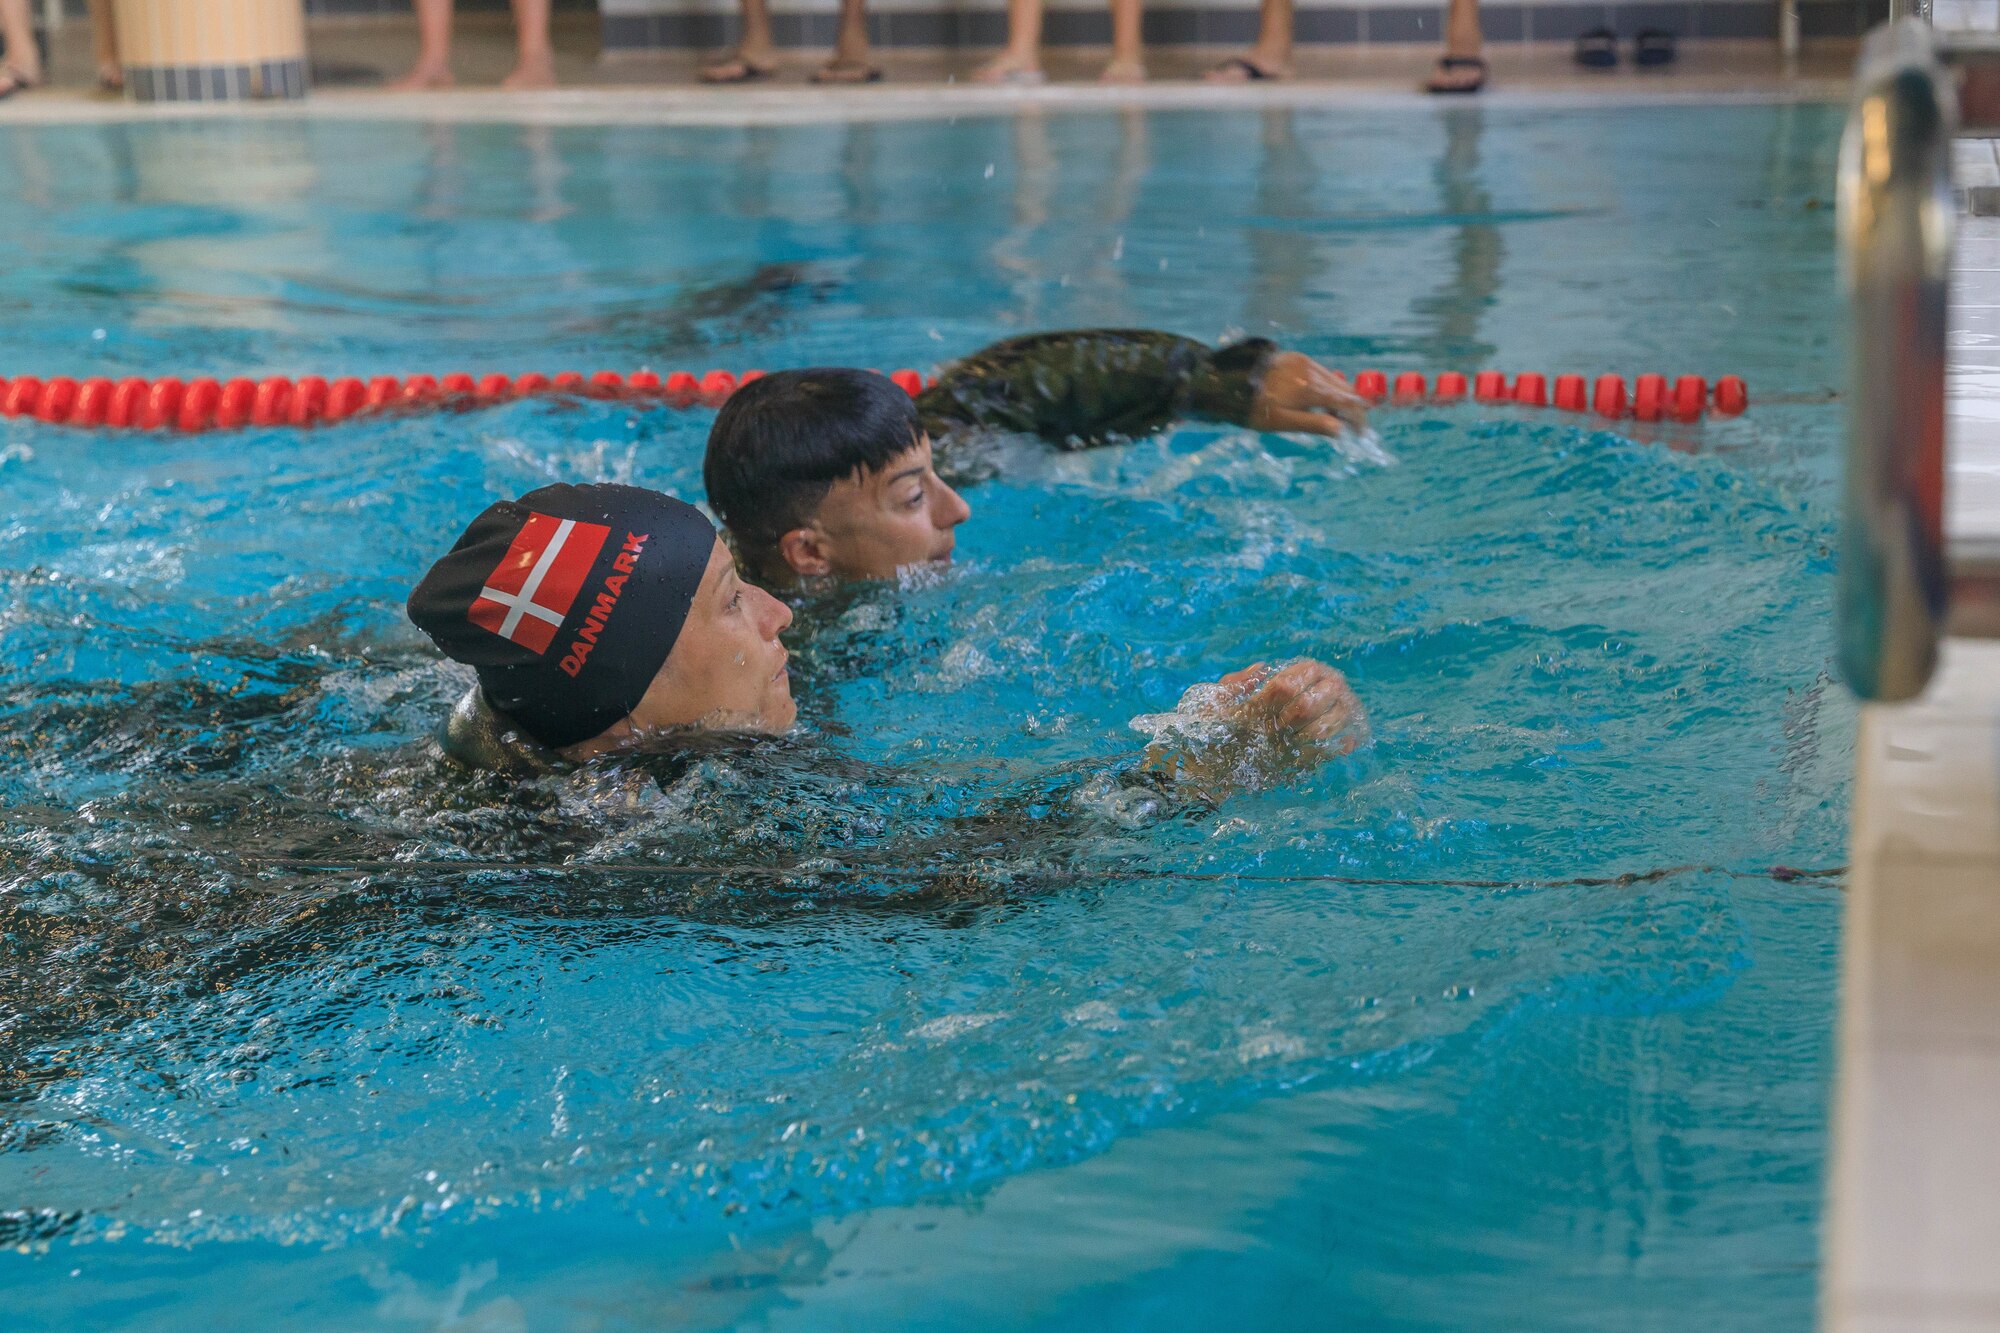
(1096, 386)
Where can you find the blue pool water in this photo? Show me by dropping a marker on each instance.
(993, 1052)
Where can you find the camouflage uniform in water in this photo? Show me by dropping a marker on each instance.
(481, 737)
(1095, 386)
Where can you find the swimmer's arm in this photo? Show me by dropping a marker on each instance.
(1074, 389)
(1094, 386)
(1283, 722)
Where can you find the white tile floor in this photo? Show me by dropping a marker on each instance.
(1913, 1234)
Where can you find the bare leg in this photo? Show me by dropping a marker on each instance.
(850, 48)
(24, 61)
(1128, 52)
(1271, 57)
(1462, 41)
(535, 59)
(756, 54)
(433, 67)
(104, 42)
(1021, 62)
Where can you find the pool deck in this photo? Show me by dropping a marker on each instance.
(1913, 1228)
(353, 55)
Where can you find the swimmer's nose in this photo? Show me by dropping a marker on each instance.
(782, 618)
(954, 510)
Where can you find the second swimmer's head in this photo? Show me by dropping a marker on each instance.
(827, 473)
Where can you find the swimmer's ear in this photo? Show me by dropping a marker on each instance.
(804, 553)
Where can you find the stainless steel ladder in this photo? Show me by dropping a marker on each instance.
(1901, 589)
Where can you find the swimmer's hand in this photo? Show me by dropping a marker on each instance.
(1253, 728)
(1297, 393)
(1307, 703)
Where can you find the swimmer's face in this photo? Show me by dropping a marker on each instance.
(727, 669)
(879, 521)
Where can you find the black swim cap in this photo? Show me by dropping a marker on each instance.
(567, 602)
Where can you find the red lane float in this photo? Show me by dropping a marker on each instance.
(716, 386)
(198, 405)
(1730, 396)
(128, 400)
(206, 404)
(1646, 398)
(344, 398)
(163, 404)
(1609, 396)
(308, 402)
(1690, 395)
(1649, 397)
(232, 408)
(58, 396)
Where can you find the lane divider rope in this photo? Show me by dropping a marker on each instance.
(168, 403)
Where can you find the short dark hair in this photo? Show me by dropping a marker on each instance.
(782, 440)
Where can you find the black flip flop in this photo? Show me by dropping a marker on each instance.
(1653, 47)
(1597, 49)
(1458, 62)
(1251, 72)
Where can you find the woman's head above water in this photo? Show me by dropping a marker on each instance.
(598, 615)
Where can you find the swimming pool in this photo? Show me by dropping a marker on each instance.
(938, 1034)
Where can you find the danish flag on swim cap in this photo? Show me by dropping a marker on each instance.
(530, 592)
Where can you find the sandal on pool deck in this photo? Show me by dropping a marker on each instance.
(1445, 65)
(735, 70)
(842, 71)
(15, 82)
(1653, 46)
(1597, 49)
(1242, 69)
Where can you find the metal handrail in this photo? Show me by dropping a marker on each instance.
(1897, 220)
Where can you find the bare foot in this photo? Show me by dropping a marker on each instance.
(1249, 68)
(422, 79)
(1010, 68)
(743, 67)
(1123, 71)
(533, 73)
(15, 79)
(111, 76)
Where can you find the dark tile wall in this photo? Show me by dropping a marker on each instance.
(403, 6)
(1217, 26)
